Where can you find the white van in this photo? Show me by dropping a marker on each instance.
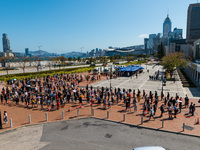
(149, 148)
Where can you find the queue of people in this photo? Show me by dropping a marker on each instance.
(56, 91)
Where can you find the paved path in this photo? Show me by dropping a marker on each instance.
(143, 82)
(92, 134)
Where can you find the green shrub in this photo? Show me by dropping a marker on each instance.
(45, 73)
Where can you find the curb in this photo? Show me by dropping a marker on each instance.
(37, 124)
(123, 123)
(148, 128)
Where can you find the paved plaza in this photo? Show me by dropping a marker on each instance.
(92, 134)
(143, 82)
(84, 133)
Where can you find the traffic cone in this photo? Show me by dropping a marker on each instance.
(197, 120)
(69, 109)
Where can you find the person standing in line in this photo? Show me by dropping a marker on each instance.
(117, 97)
(104, 103)
(193, 109)
(143, 94)
(168, 95)
(151, 114)
(126, 102)
(165, 101)
(175, 111)
(186, 101)
(170, 111)
(58, 104)
(1, 98)
(135, 105)
(190, 108)
(180, 105)
(162, 110)
(144, 109)
(5, 117)
(109, 103)
(154, 109)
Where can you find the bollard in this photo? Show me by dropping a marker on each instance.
(46, 116)
(63, 115)
(162, 123)
(92, 112)
(124, 117)
(11, 123)
(183, 126)
(107, 114)
(29, 118)
(77, 112)
(141, 119)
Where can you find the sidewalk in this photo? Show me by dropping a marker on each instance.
(19, 115)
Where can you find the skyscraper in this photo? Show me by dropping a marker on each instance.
(6, 44)
(193, 23)
(26, 51)
(167, 27)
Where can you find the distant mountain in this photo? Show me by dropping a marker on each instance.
(43, 53)
(72, 54)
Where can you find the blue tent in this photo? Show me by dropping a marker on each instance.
(131, 68)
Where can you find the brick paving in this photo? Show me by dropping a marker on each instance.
(19, 114)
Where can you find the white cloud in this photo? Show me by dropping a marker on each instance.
(143, 36)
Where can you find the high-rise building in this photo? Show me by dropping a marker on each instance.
(193, 23)
(6, 44)
(157, 41)
(145, 43)
(7, 52)
(26, 51)
(167, 27)
(150, 41)
(178, 34)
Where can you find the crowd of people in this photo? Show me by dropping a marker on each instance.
(58, 90)
(155, 76)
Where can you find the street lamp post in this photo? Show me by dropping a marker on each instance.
(162, 81)
(110, 77)
(39, 64)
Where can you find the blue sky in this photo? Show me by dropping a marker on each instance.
(66, 25)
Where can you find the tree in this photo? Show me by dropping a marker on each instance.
(103, 59)
(23, 61)
(61, 60)
(173, 61)
(161, 52)
(79, 59)
(70, 59)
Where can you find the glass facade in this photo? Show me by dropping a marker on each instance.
(193, 24)
(197, 51)
(167, 26)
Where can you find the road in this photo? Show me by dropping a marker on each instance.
(92, 134)
(34, 69)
